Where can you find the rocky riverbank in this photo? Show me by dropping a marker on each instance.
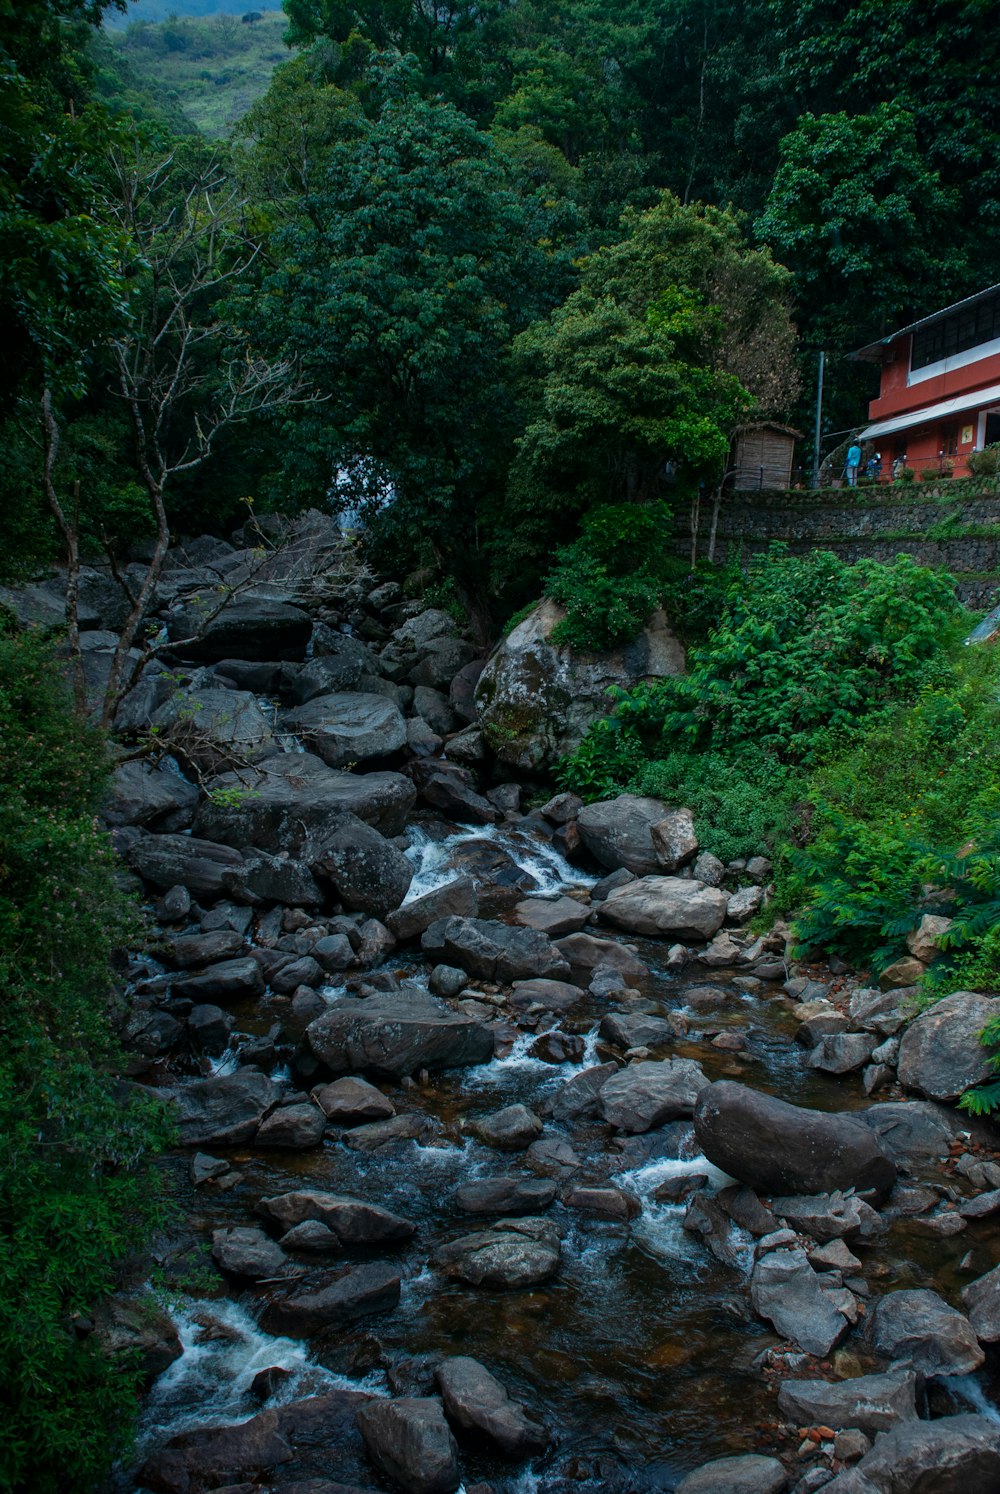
(508, 1152)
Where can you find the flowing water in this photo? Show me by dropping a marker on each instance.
(640, 1354)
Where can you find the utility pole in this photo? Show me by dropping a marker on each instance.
(819, 419)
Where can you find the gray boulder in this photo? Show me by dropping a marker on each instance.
(171, 860)
(674, 840)
(224, 1111)
(872, 1403)
(398, 1034)
(952, 1455)
(781, 1148)
(553, 995)
(409, 1441)
(457, 898)
(914, 1131)
(800, 1303)
(246, 627)
(142, 795)
(940, 1055)
(508, 1130)
(918, 1329)
(505, 1195)
(577, 1098)
(212, 730)
(619, 832)
(829, 1216)
(749, 1473)
(367, 872)
(513, 1253)
(340, 667)
(205, 1456)
(351, 727)
(352, 1102)
(666, 907)
(636, 1030)
(351, 1220)
(585, 954)
(645, 1095)
(493, 951)
(334, 1299)
(230, 980)
(552, 916)
(249, 1253)
(263, 878)
(982, 1302)
(297, 1127)
(842, 1052)
(476, 1401)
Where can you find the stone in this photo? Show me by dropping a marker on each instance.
(334, 953)
(409, 1441)
(607, 1203)
(138, 1331)
(645, 1095)
(451, 789)
(333, 1299)
(398, 1034)
(224, 1111)
(287, 801)
(834, 1256)
(476, 1401)
(923, 942)
(462, 690)
(618, 832)
(743, 905)
(981, 1299)
(917, 1329)
(366, 871)
(264, 878)
(296, 1127)
(914, 1131)
(493, 951)
(509, 1130)
(709, 870)
(143, 795)
(352, 1101)
(705, 1218)
(842, 1052)
(505, 1195)
(876, 1011)
(210, 1028)
(435, 709)
(514, 1253)
(245, 627)
(210, 731)
(312, 1238)
(352, 1220)
(872, 1403)
(348, 727)
(553, 995)
(981, 1207)
(230, 980)
(536, 700)
(902, 974)
(552, 916)
(289, 975)
(561, 809)
(750, 1473)
(636, 1030)
(950, 1455)
(457, 898)
(249, 1253)
(666, 907)
(776, 1147)
(558, 1047)
(375, 1134)
(585, 953)
(577, 1098)
(821, 1024)
(447, 980)
(940, 1055)
(674, 840)
(328, 673)
(198, 1458)
(786, 1291)
(169, 860)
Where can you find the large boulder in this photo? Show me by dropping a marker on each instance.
(513, 1253)
(666, 907)
(212, 730)
(351, 727)
(334, 1299)
(800, 1302)
(224, 1111)
(619, 832)
(476, 1402)
(184, 860)
(981, 1299)
(286, 800)
(409, 1441)
(645, 1095)
(918, 1329)
(398, 1033)
(537, 700)
(493, 951)
(914, 1131)
(505, 1195)
(940, 1055)
(244, 627)
(142, 795)
(367, 872)
(353, 1221)
(781, 1148)
(202, 1457)
(339, 667)
(872, 1403)
(953, 1455)
(748, 1473)
(457, 898)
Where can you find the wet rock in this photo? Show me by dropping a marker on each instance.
(230, 980)
(553, 1156)
(249, 1253)
(748, 1474)
(375, 1134)
(334, 1299)
(786, 1291)
(514, 1253)
(212, 730)
(329, 673)
(745, 1209)
(409, 1441)
(918, 1329)
(558, 1047)
(834, 1256)
(780, 1148)
(224, 1111)
(290, 974)
(743, 905)
(645, 1095)
(476, 1402)
(139, 1332)
(457, 898)
(982, 1303)
(204, 1169)
(618, 832)
(902, 975)
(561, 809)
(666, 907)
(585, 953)
(174, 906)
(366, 871)
(537, 700)
(462, 691)
(872, 1403)
(981, 1207)
(348, 727)
(311, 1237)
(940, 1055)
(398, 1034)
(297, 1127)
(577, 1098)
(144, 795)
(705, 1218)
(210, 1455)
(829, 1216)
(607, 1203)
(284, 801)
(264, 878)
(952, 1455)
(709, 870)
(636, 1030)
(494, 951)
(913, 1131)
(505, 1195)
(352, 1101)
(246, 627)
(876, 1011)
(352, 1220)
(842, 1052)
(679, 1189)
(509, 1130)
(447, 980)
(169, 860)
(210, 1028)
(553, 995)
(674, 840)
(552, 916)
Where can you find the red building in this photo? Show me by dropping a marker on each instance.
(940, 392)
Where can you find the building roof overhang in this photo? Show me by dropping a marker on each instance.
(872, 353)
(929, 413)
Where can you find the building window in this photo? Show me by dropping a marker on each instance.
(949, 441)
(964, 329)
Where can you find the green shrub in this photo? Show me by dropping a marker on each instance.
(743, 805)
(74, 1197)
(610, 578)
(905, 475)
(985, 463)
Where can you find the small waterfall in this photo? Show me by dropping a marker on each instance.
(433, 866)
(660, 1229)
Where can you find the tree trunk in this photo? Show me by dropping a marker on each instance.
(70, 531)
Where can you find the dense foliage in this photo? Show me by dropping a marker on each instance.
(74, 1194)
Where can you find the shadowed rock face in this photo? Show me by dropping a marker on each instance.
(953, 1455)
(782, 1148)
(410, 1441)
(398, 1034)
(940, 1055)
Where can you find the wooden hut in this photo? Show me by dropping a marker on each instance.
(762, 456)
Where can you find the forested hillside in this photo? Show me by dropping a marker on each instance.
(497, 282)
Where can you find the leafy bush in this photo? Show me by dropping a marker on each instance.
(985, 463)
(610, 579)
(905, 475)
(743, 806)
(74, 1199)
